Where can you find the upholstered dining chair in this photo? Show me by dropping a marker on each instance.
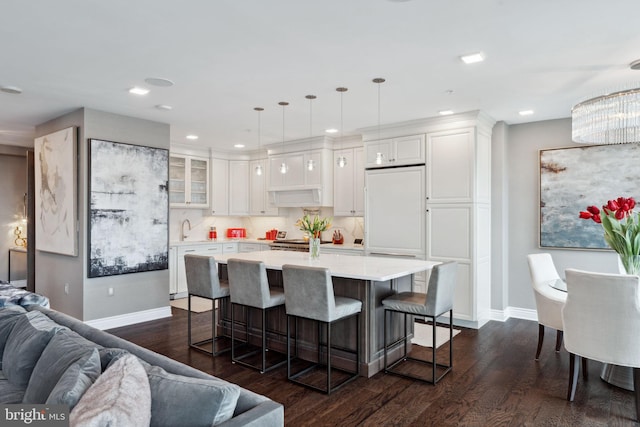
(249, 287)
(309, 295)
(601, 320)
(437, 301)
(203, 282)
(549, 301)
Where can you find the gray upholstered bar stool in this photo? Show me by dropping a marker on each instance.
(203, 282)
(436, 302)
(249, 286)
(309, 294)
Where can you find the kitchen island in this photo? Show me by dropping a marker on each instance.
(367, 278)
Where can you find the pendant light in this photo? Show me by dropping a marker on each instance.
(379, 155)
(311, 164)
(342, 160)
(259, 167)
(283, 166)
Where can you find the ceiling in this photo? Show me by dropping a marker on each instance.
(226, 57)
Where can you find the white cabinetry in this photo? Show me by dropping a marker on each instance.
(258, 200)
(253, 247)
(188, 181)
(173, 269)
(219, 187)
(295, 171)
(181, 277)
(459, 215)
(400, 151)
(348, 183)
(238, 187)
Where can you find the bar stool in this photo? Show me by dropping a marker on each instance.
(437, 301)
(249, 286)
(203, 282)
(309, 295)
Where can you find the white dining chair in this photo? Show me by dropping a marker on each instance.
(549, 301)
(601, 319)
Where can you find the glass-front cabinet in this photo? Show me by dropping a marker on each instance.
(188, 181)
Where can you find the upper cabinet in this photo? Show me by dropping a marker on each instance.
(451, 166)
(400, 151)
(348, 183)
(238, 187)
(189, 182)
(219, 187)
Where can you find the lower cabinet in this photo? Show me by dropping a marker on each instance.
(178, 282)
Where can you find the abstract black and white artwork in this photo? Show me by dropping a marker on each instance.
(55, 192)
(129, 208)
(572, 179)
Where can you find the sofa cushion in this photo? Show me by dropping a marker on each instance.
(78, 377)
(110, 355)
(25, 344)
(215, 399)
(63, 349)
(119, 397)
(9, 393)
(8, 317)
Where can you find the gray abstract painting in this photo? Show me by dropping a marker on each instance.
(572, 179)
(129, 208)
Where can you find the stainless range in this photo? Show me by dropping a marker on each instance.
(297, 245)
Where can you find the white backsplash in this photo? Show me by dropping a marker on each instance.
(256, 226)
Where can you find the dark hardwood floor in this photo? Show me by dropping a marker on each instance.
(495, 382)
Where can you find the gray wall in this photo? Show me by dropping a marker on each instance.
(89, 299)
(522, 148)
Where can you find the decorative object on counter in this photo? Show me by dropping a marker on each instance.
(310, 163)
(259, 167)
(342, 160)
(283, 167)
(281, 235)
(213, 233)
(622, 236)
(337, 238)
(271, 234)
(313, 228)
(236, 233)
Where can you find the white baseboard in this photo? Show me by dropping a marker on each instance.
(130, 318)
(515, 312)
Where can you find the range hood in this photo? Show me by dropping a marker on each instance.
(296, 198)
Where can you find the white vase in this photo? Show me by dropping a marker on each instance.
(314, 247)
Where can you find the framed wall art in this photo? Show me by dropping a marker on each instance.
(56, 192)
(129, 208)
(572, 179)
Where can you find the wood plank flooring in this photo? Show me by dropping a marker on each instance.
(495, 382)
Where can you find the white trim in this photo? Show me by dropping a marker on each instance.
(130, 318)
(515, 312)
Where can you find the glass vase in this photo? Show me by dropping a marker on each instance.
(314, 247)
(631, 264)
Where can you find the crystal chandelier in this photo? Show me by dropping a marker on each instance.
(607, 119)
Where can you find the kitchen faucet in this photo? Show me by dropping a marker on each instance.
(182, 235)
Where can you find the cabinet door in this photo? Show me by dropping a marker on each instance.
(177, 181)
(294, 177)
(343, 185)
(450, 168)
(238, 187)
(313, 177)
(409, 150)
(219, 187)
(358, 181)
(198, 183)
(258, 200)
(181, 277)
(173, 270)
(384, 148)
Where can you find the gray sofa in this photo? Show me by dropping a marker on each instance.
(24, 379)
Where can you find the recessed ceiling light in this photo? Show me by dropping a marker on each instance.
(239, 145)
(445, 112)
(193, 137)
(11, 89)
(157, 81)
(138, 91)
(525, 112)
(331, 130)
(472, 58)
(164, 107)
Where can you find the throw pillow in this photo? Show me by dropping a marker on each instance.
(214, 399)
(110, 355)
(78, 377)
(8, 317)
(25, 344)
(62, 350)
(119, 397)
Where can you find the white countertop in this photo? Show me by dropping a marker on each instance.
(347, 266)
